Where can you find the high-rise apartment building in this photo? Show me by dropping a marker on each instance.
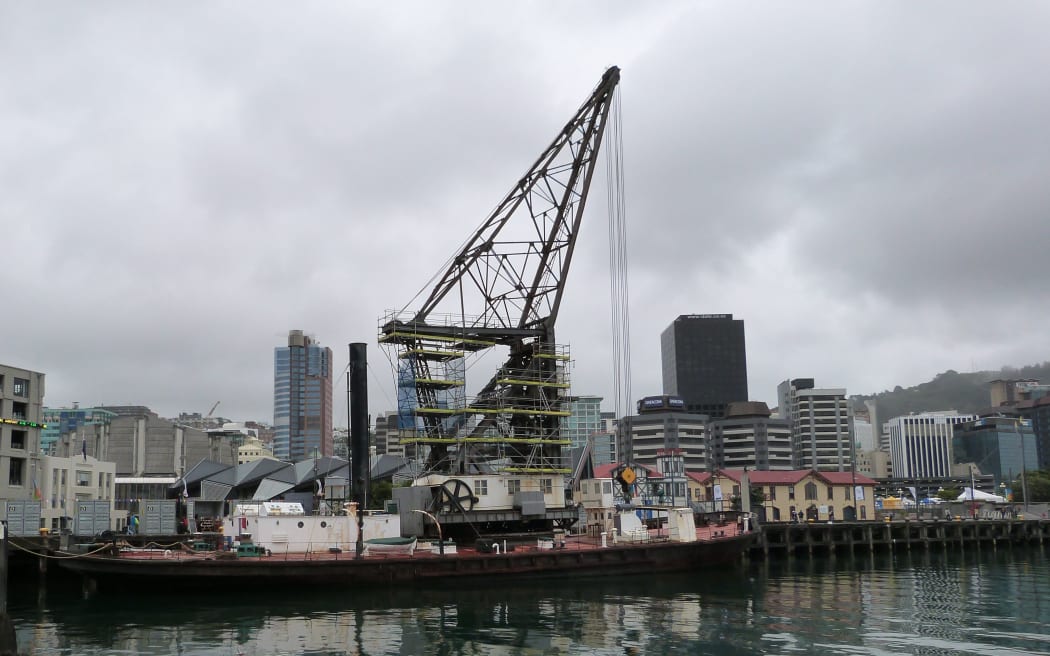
(387, 434)
(704, 362)
(921, 444)
(820, 425)
(748, 437)
(302, 399)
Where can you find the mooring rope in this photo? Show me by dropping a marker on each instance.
(58, 557)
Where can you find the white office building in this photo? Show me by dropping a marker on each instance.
(920, 445)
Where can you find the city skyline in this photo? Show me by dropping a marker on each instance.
(854, 183)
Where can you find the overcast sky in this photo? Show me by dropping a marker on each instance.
(865, 184)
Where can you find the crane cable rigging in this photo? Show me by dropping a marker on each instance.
(618, 288)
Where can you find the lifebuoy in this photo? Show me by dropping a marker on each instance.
(167, 553)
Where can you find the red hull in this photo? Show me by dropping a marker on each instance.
(345, 569)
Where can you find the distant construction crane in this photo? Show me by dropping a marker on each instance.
(503, 289)
(212, 411)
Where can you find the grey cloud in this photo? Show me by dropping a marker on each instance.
(185, 186)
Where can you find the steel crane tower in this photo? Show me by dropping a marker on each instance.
(502, 289)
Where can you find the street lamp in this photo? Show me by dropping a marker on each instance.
(973, 496)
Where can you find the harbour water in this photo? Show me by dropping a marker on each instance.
(977, 602)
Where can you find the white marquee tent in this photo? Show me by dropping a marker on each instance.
(969, 494)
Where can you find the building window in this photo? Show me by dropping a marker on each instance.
(18, 439)
(83, 478)
(772, 493)
(863, 512)
(811, 491)
(791, 493)
(546, 485)
(481, 487)
(18, 410)
(16, 473)
(20, 387)
(513, 486)
(831, 493)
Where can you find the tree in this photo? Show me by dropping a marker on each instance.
(1038, 483)
(379, 493)
(949, 494)
(758, 497)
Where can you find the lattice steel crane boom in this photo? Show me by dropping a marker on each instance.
(503, 288)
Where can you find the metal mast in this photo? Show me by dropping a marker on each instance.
(503, 289)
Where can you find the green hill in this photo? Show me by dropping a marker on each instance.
(951, 390)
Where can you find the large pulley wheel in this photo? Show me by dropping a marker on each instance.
(455, 495)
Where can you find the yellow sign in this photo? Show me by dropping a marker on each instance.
(628, 476)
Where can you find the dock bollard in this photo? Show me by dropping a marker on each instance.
(604, 537)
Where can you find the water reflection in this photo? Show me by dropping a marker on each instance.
(919, 603)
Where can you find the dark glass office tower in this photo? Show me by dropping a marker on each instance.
(302, 399)
(704, 362)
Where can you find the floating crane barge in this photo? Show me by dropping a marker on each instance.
(494, 460)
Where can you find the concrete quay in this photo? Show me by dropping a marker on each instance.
(811, 538)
